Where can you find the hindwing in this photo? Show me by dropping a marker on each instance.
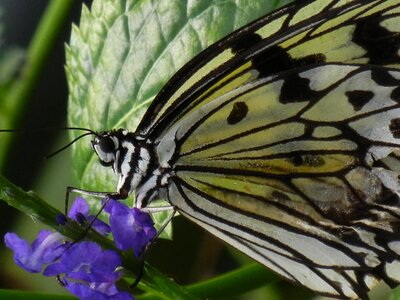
(304, 187)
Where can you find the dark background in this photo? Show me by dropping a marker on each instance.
(47, 109)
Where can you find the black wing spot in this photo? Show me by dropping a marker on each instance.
(296, 89)
(238, 113)
(307, 160)
(395, 127)
(359, 98)
(297, 160)
(246, 42)
(395, 94)
(382, 77)
(380, 44)
(275, 60)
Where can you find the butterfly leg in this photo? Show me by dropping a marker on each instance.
(145, 250)
(71, 189)
(105, 195)
(163, 226)
(154, 209)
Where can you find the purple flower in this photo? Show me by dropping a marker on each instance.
(45, 249)
(102, 291)
(80, 212)
(89, 272)
(131, 228)
(87, 261)
(86, 270)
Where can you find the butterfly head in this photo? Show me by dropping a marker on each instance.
(107, 145)
(130, 158)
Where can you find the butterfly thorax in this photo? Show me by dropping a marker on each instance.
(133, 160)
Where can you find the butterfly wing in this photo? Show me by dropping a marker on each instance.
(342, 284)
(304, 187)
(303, 33)
(284, 141)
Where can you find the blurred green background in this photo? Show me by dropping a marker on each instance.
(40, 104)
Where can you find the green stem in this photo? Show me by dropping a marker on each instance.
(41, 45)
(234, 283)
(228, 285)
(23, 295)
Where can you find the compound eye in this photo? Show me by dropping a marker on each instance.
(107, 144)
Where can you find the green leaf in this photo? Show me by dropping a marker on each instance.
(122, 54)
(395, 294)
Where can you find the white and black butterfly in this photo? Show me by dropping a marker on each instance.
(283, 139)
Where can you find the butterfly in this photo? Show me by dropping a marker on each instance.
(283, 140)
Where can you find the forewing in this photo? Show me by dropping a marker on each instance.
(304, 33)
(309, 188)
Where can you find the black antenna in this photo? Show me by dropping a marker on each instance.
(70, 143)
(79, 128)
(88, 132)
(48, 129)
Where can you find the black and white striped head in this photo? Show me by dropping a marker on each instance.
(107, 145)
(129, 158)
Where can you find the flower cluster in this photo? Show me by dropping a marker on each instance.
(83, 267)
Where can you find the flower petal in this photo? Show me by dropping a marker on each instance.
(86, 261)
(97, 292)
(80, 213)
(46, 248)
(79, 206)
(131, 228)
